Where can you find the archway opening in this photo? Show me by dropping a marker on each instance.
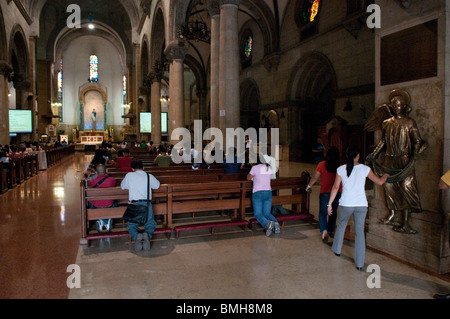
(313, 91)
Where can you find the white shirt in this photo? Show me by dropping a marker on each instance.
(353, 187)
(136, 183)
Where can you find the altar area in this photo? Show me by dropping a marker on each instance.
(93, 137)
(93, 98)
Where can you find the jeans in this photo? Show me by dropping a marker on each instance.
(276, 208)
(262, 207)
(150, 225)
(359, 218)
(326, 222)
(103, 221)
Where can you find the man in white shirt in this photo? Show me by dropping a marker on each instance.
(136, 183)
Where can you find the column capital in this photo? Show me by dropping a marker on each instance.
(213, 7)
(157, 72)
(5, 68)
(234, 2)
(176, 50)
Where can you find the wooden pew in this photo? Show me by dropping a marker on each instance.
(18, 167)
(3, 179)
(299, 198)
(11, 175)
(172, 200)
(207, 197)
(174, 167)
(177, 177)
(121, 196)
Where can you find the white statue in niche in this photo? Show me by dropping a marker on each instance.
(94, 119)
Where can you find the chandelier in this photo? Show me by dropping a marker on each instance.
(194, 30)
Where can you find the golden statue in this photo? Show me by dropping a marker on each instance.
(395, 154)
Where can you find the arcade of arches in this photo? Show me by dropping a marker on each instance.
(238, 63)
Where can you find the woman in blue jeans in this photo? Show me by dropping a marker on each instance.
(326, 171)
(261, 174)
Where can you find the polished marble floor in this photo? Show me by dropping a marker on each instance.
(39, 239)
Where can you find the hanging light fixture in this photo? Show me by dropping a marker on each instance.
(194, 28)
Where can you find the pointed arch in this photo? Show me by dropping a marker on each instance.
(157, 41)
(250, 103)
(18, 53)
(311, 91)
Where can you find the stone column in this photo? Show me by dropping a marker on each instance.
(229, 110)
(138, 82)
(214, 11)
(155, 102)
(201, 93)
(175, 53)
(5, 70)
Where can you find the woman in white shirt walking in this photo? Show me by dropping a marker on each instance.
(353, 201)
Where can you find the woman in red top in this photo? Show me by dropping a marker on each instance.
(326, 171)
(123, 162)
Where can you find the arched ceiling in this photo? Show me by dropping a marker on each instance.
(132, 7)
(119, 18)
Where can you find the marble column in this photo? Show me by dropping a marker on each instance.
(138, 82)
(229, 110)
(155, 102)
(32, 90)
(201, 94)
(5, 70)
(175, 53)
(214, 11)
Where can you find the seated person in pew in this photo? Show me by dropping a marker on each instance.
(261, 174)
(4, 159)
(99, 157)
(231, 164)
(136, 183)
(123, 162)
(162, 160)
(151, 147)
(13, 154)
(23, 152)
(102, 180)
(169, 149)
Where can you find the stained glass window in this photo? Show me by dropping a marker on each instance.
(249, 47)
(60, 90)
(124, 90)
(93, 68)
(60, 85)
(310, 10)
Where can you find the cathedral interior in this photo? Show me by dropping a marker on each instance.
(95, 71)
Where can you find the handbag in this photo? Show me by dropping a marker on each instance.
(138, 213)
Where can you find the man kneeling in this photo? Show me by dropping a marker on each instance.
(136, 183)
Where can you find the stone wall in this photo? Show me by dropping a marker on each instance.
(429, 248)
(350, 57)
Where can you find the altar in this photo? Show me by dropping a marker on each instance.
(93, 137)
